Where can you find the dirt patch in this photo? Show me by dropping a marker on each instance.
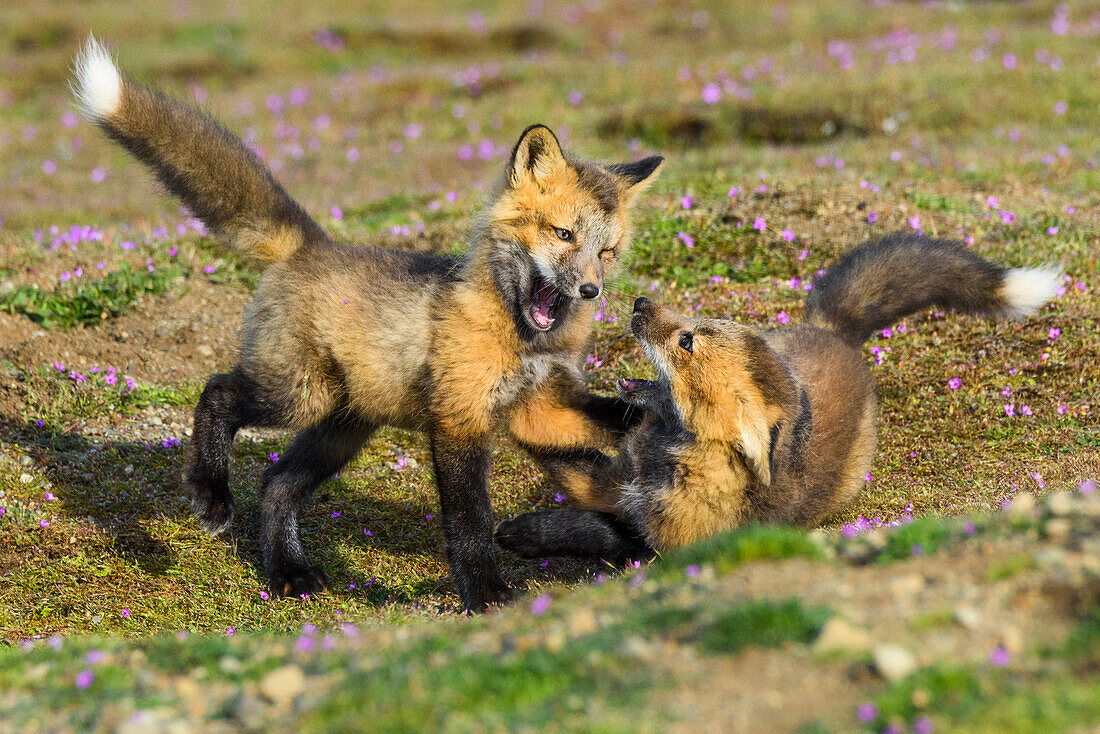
(185, 334)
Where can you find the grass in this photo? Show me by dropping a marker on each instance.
(763, 624)
(976, 700)
(88, 303)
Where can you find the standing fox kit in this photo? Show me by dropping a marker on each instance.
(771, 426)
(340, 339)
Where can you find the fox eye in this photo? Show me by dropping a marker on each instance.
(563, 234)
(686, 341)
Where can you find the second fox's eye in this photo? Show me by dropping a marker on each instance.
(686, 341)
(563, 234)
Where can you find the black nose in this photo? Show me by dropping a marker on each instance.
(589, 291)
(641, 303)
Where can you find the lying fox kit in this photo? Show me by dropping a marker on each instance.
(766, 426)
(343, 339)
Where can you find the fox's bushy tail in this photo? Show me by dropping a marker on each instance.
(211, 170)
(886, 279)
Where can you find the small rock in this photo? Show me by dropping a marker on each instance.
(840, 634)
(283, 684)
(205, 350)
(1059, 529)
(1023, 505)
(968, 616)
(893, 662)
(249, 711)
(1012, 639)
(156, 421)
(582, 622)
(26, 460)
(25, 478)
(1062, 504)
(907, 585)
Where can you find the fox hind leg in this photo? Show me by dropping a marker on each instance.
(228, 403)
(572, 533)
(313, 456)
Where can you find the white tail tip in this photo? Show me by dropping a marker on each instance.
(98, 86)
(1025, 290)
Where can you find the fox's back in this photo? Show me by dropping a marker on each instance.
(841, 394)
(350, 323)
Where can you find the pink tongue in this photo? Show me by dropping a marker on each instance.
(540, 314)
(540, 309)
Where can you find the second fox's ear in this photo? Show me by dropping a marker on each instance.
(536, 157)
(637, 176)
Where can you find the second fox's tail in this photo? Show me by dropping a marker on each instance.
(211, 170)
(888, 278)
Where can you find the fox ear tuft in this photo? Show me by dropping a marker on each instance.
(536, 156)
(637, 175)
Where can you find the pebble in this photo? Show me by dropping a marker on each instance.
(1059, 529)
(1062, 504)
(893, 662)
(840, 634)
(1023, 505)
(968, 616)
(283, 684)
(205, 350)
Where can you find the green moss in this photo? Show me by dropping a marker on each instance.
(87, 303)
(750, 543)
(761, 624)
(920, 537)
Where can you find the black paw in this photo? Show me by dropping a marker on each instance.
(293, 581)
(484, 596)
(214, 513)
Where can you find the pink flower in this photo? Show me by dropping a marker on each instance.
(999, 656)
(782, 317)
(1060, 107)
(84, 679)
(1026, 410)
(540, 605)
(712, 93)
(954, 383)
(686, 201)
(43, 523)
(787, 235)
(1052, 230)
(1054, 333)
(914, 222)
(1010, 409)
(758, 224)
(686, 239)
(125, 613)
(734, 191)
(337, 213)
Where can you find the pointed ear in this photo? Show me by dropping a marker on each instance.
(536, 156)
(637, 176)
(756, 443)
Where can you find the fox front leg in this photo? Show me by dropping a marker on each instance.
(461, 474)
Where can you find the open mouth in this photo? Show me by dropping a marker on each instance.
(546, 300)
(628, 387)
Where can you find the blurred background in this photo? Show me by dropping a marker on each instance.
(352, 102)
